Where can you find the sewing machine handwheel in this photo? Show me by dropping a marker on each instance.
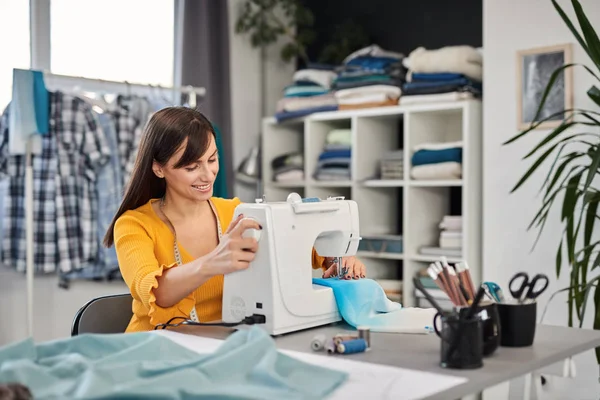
(255, 233)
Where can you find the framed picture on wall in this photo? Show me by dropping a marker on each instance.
(534, 69)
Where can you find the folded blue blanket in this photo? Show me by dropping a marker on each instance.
(423, 157)
(435, 77)
(340, 153)
(287, 115)
(363, 302)
(150, 366)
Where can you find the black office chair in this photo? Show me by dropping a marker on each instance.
(106, 314)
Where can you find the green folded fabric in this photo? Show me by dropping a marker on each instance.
(150, 366)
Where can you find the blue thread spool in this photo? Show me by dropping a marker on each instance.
(352, 346)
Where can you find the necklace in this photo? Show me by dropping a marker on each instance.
(178, 259)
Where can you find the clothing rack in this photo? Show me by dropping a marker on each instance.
(68, 82)
(100, 86)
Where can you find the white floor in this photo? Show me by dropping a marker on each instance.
(54, 307)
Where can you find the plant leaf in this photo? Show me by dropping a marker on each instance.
(594, 94)
(571, 27)
(559, 258)
(597, 318)
(532, 169)
(560, 129)
(534, 125)
(588, 288)
(588, 32)
(593, 168)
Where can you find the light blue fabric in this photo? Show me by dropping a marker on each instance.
(362, 302)
(41, 98)
(22, 118)
(149, 366)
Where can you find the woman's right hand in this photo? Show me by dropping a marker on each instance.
(235, 252)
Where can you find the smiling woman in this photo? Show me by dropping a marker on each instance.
(174, 240)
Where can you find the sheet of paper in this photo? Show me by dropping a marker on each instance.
(365, 380)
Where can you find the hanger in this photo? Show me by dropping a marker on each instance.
(192, 97)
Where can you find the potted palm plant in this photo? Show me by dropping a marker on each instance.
(574, 148)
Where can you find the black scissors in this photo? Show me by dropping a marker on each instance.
(533, 292)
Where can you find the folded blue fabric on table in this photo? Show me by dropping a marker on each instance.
(363, 302)
(150, 366)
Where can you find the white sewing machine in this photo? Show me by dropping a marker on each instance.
(278, 283)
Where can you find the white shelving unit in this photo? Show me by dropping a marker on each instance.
(412, 208)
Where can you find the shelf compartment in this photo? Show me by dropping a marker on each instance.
(373, 138)
(371, 202)
(315, 139)
(278, 140)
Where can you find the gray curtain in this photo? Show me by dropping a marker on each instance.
(206, 64)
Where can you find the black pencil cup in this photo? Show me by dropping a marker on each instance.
(490, 320)
(517, 324)
(461, 341)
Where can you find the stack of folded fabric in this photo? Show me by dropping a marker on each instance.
(310, 92)
(392, 165)
(288, 167)
(450, 244)
(369, 77)
(334, 161)
(445, 74)
(437, 161)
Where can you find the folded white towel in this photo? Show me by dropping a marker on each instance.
(391, 92)
(464, 60)
(446, 170)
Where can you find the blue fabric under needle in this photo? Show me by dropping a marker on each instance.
(363, 302)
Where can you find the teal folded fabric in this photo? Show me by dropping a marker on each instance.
(150, 366)
(363, 302)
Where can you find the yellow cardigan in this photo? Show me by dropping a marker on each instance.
(144, 246)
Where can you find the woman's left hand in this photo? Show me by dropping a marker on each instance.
(352, 268)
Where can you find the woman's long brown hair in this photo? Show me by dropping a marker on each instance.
(164, 134)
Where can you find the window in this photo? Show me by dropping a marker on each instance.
(14, 24)
(116, 40)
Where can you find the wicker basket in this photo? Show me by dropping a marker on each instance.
(392, 169)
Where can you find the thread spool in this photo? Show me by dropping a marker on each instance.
(352, 346)
(318, 342)
(330, 346)
(365, 333)
(341, 338)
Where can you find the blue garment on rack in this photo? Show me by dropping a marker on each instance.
(362, 302)
(109, 191)
(29, 111)
(150, 366)
(220, 184)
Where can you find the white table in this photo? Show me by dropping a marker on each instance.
(398, 360)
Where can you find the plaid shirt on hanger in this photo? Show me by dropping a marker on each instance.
(130, 114)
(45, 165)
(82, 150)
(65, 198)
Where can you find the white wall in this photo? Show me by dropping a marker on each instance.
(246, 91)
(509, 26)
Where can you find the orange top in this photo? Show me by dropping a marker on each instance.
(144, 245)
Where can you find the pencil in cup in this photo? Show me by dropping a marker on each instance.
(441, 277)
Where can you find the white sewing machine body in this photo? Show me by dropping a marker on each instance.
(278, 283)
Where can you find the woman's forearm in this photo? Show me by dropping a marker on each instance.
(177, 283)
